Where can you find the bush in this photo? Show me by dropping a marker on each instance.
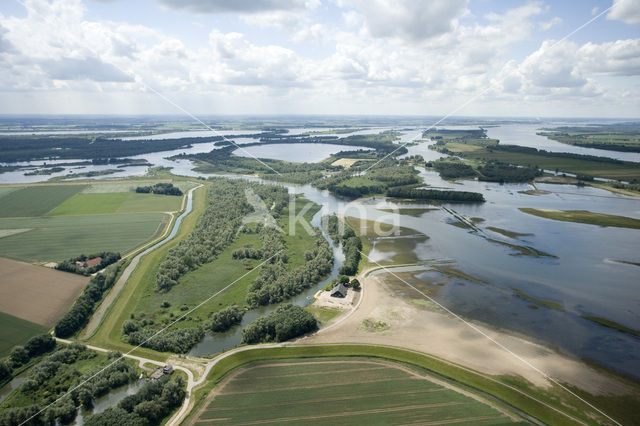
(355, 284)
(225, 319)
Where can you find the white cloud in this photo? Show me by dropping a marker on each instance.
(621, 57)
(547, 25)
(627, 11)
(410, 19)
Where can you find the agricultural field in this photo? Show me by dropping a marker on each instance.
(339, 391)
(45, 223)
(56, 238)
(16, 331)
(616, 137)
(32, 201)
(36, 294)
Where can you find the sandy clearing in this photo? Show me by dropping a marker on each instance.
(37, 294)
(325, 300)
(446, 337)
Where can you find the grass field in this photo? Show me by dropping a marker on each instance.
(16, 331)
(36, 200)
(338, 391)
(117, 202)
(37, 294)
(61, 237)
(583, 216)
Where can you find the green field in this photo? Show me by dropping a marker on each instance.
(337, 391)
(83, 204)
(61, 237)
(583, 216)
(16, 331)
(36, 200)
(117, 202)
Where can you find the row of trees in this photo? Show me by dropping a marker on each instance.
(453, 169)
(502, 172)
(31, 147)
(106, 258)
(351, 247)
(286, 322)
(21, 355)
(433, 194)
(152, 403)
(161, 188)
(78, 316)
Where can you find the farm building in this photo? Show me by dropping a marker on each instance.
(339, 290)
(93, 262)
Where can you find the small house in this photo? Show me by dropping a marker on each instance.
(339, 290)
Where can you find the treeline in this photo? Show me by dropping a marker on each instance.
(216, 229)
(223, 320)
(433, 194)
(152, 403)
(106, 258)
(453, 169)
(51, 379)
(501, 172)
(286, 322)
(160, 188)
(529, 150)
(21, 355)
(351, 243)
(78, 316)
(145, 334)
(275, 282)
(32, 147)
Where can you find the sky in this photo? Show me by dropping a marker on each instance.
(515, 58)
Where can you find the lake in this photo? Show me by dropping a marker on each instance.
(298, 153)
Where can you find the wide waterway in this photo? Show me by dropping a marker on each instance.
(585, 276)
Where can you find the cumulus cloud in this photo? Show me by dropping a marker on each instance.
(627, 11)
(80, 69)
(547, 25)
(412, 19)
(621, 57)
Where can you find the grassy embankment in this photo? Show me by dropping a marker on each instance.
(513, 391)
(583, 216)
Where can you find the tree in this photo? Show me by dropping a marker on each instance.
(355, 284)
(19, 355)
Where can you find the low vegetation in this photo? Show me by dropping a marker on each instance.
(583, 216)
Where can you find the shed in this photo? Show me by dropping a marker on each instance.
(339, 290)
